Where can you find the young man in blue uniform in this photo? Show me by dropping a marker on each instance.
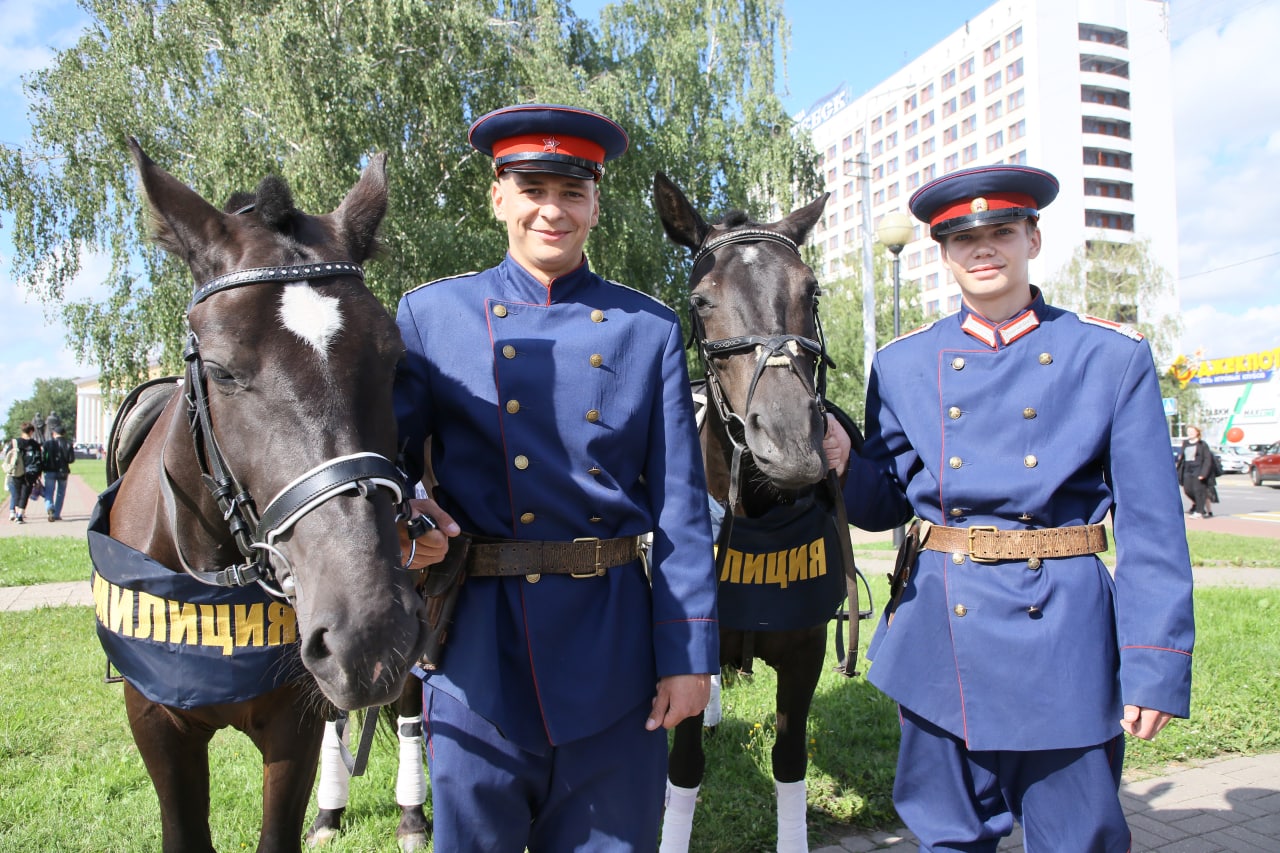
(561, 429)
(1012, 429)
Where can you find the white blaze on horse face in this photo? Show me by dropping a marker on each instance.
(749, 255)
(310, 316)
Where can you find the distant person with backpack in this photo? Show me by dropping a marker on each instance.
(23, 465)
(58, 454)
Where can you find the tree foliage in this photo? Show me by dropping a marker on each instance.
(48, 396)
(222, 93)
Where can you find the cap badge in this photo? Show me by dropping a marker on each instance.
(550, 144)
(978, 205)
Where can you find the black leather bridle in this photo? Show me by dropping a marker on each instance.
(771, 351)
(255, 534)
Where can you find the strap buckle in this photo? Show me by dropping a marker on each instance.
(984, 529)
(598, 571)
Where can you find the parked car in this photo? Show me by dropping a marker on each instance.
(1234, 459)
(1266, 465)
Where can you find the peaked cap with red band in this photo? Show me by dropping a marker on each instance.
(982, 195)
(548, 138)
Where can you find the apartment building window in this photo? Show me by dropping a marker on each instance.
(991, 84)
(857, 137)
(1108, 219)
(891, 167)
(877, 124)
(913, 260)
(893, 190)
(912, 155)
(848, 189)
(833, 220)
(1013, 71)
(846, 144)
(913, 180)
(931, 280)
(953, 303)
(926, 120)
(878, 198)
(969, 154)
(912, 129)
(968, 96)
(1013, 39)
(910, 103)
(995, 140)
(1019, 159)
(931, 255)
(994, 111)
(877, 148)
(928, 173)
(1104, 65)
(951, 134)
(926, 94)
(1108, 97)
(928, 146)
(848, 213)
(966, 68)
(948, 79)
(891, 115)
(931, 308)
(968, 125)
(849, 237)
(1016, 100)
(948, 107)
(831, 175)
(1105, 157)
(877, 173)
(1108, 189)
(1119, 129)
(831, 153)
(1017, 130)
(991, 54)
(891, 141)
(1104, 35)
(950, 163)
(834, 242)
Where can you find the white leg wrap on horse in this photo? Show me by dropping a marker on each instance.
(335, 781)
(411, 778)
(677, 820)
(712, 716)
(793, 833)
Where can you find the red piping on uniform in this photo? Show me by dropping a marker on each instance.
(1157, 649)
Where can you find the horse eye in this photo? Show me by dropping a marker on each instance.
(700, 302)
(218, 374)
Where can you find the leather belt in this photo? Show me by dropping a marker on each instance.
(581, 558)
(988, 544)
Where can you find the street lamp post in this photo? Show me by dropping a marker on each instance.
(894, 232)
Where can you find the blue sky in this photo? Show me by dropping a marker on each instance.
(1226, 138)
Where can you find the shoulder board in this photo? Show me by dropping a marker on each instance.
(649, 296)
(926, 327)
(1126, 330)
(438, 280)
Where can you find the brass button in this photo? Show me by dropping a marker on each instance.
(953, 413)
(513, 406)
(1030, 461)
(594, 471)
(508, 351)
(957, 363)
(958, 559)
(597, 316)
(522, 462)
(955, 462)
(527, 518)
(533, 578)
(593, 415)
(595, 519)
(960, 610)
(1033, 563)
(596, 359)
(1028, 413)
(957, 512)
(1025, 517)
(1045, 358)
(1033, 610)
(499, 310)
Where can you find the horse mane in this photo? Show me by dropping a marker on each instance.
(736, 219)
(272, 201)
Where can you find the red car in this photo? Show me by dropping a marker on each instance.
(1266, 465)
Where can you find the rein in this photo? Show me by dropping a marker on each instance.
(255, 534)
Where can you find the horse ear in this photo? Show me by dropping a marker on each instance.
(681, 222)
(798, 225)
(181, 221)
(362, 210)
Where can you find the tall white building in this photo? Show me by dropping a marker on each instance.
(1078, 87)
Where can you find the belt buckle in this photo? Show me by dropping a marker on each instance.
(975, 529)
(598, 571)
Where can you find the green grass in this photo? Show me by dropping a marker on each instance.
(73, 780)
(93, 471)
(26, 560)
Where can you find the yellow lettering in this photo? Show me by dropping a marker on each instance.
(753, 568)
(250, 630)
(215, 627)
(120, 611)
(282, 624)
(732, 571)
(183, 623)
(798, 564)
(100, 589)
(817, 558)
(151, 609)
(776, 568)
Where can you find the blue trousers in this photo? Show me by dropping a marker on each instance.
(952, 798)
(55, 492)
(601, 794)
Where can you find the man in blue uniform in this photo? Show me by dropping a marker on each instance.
(1011, 429)
(561, 430)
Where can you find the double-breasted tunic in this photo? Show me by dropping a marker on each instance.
(1048, 420)
(557, 413)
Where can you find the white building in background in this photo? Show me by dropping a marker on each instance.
(1078, 87)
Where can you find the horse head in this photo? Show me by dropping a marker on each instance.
(754, 311)
(289, 424)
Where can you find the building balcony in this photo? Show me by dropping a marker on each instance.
(1105, 112)
(1107, 141)
(1105, 81)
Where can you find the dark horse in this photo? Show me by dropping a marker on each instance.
(754, 314)
(287, 396)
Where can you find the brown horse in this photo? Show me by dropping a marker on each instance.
(287, 394)
(754, 314)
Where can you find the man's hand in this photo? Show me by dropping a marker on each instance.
(1144, 723)
(434, 543)
(679, 696)
(836, 445)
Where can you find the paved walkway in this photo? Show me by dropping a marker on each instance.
(1227, 804)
